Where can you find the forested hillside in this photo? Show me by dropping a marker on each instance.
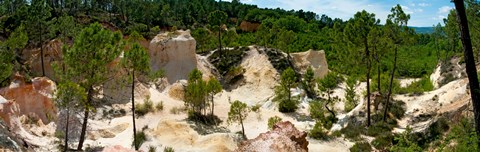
(102, 40)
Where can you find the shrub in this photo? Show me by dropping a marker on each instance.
(352, 131)
(318, 132)
(146, 107)
(351, 96)
(405, 143)
(177, 110)
(168, 149)
(383, 142)
(286, 105)
(418, 87)
(140, 139)
(462, 133)
(256, 108)
(272, 121)
(361, 147)
(152, 149)
(159, 106)
(378, 129)
(316, 110)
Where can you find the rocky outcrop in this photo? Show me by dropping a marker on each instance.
(34, 99)
(52, 52)
(249, 26)
(284, 137)
(315, 59)
(174, 53)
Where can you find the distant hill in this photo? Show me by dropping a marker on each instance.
(423, 30)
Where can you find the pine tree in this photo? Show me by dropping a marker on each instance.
(135, 61)
(358, 30)
(238, 113)
(87, 61)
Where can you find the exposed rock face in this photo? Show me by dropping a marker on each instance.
(51, 52)
(174, 53)
(249, 26)
(117, 148)
(283, 138)
(30, 99)
(315, 59)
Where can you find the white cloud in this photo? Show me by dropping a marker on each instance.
(424, 4)
(444, 9)
(407, 9)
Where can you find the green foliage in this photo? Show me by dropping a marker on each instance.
(152, 149)
(159, 106)
(272, 121)
(238, 112)
(141, 138)
(146, 107)
(256, 108)
(318, 132)
(224, 61)
(418, 87)
(308, 82)
(316, 110)
(353, 131)
(379, 129)
(464, 135)
(282, 92)
(195, 92)
(405, 143)
(383, 142)
(17, 41)
(168, 149)
(361, 147)
(350, 95)
(385, 84)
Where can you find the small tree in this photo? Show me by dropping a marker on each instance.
(67, 96)
(309, 82)
(17, 40)
(272, 121)
(135, 61)
(326, 85)
(195, 93)
(213, 87)
(283, 94)
(217, 18)
(238, 112)
(350, 97)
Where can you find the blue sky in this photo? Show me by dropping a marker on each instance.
(424, 13)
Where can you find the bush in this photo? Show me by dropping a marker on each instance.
(462, 133)
(361, 147)
(152, 149)
(316, 110)
(286, 105)
(159, 106)
(177, 110)
(146, 107)
(352, 131)
(256, 108)
(140, 139)
(272, 121)
(383, 142)
(418, 87)
(168, 149)
(318, 132)
(379, 129)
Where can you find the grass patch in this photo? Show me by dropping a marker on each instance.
(418, 87)
(168, 149)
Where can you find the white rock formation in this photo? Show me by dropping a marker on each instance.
(174, 53)
(315, 59)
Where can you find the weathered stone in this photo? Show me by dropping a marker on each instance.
(314, 59)
(174, 53)
(33, 99)
(284, 137)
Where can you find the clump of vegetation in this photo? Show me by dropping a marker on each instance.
(238, 113)
(383, 142)
(226, 59)
(141, 137)
(418, 87)
(256, 108)
(463, 134)
(353, 131)
(283, 95)
(405, 142)
(279, 61)
(146, 107)
(361, 147)
(168, 149)
(272, 121)
(350, 95)
(159, 106)
(152, 149)
(177, 110)
(318, 132)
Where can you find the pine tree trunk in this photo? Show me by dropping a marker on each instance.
(133, 111)
(328, 102)
(85, 119)
(378, 73)
(367, 52)
(65, 148)
(390, 87)
(469, 62)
